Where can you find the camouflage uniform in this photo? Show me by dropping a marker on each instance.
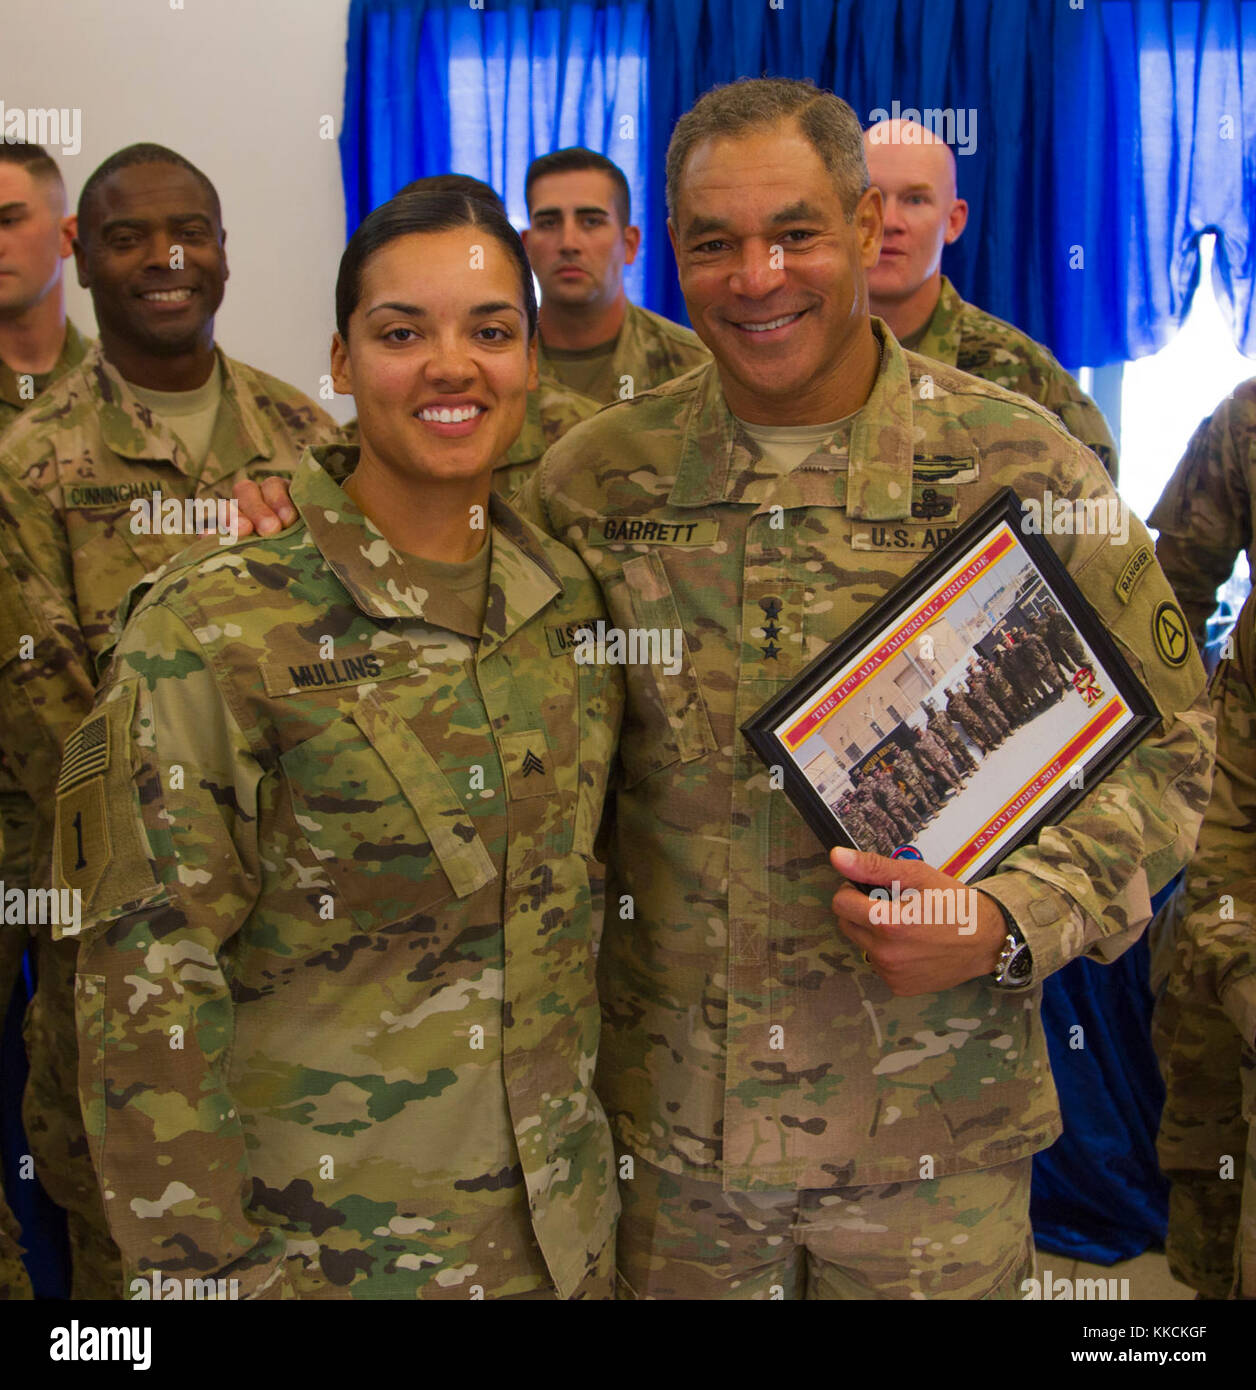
(552, 410)
(648, 351)
(1004, 697)
(18, 393)
(958, 707)
(14, 401)
(1022, 673)
(894, 802)
(1205, 512)
(966, 337)
(69, 470)
(1062, 642)
(906, 767)
(851, 813)
(934, 751)
(1044, 668)
(983, 702)
(950, 735)
(364, 910)
(885, 832)
(1204, 1027)
(746, 1043)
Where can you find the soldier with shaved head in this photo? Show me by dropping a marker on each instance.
(916, 173)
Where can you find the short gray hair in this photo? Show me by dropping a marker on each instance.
(755, 103)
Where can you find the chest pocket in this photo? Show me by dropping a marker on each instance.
(384, 825)
(666, 719)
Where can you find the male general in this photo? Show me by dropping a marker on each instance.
(915, 172)
(806, 1111)
(93, 482)
(38, 344)
(580, 237)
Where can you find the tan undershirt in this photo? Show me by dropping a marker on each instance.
(587, 370)
(785, 446)
(465, 580)
(190, 414)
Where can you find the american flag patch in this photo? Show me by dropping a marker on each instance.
(86, 753)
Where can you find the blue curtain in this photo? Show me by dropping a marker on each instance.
(1109, 137)
(435, 86)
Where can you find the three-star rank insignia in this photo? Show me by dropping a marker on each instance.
(771, 611)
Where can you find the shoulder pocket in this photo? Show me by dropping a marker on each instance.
(667, 719)
(383, 822)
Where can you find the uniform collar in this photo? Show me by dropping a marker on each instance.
(873, 448)
(73, 350)
(942, 333)
(380, 581)
(530, 444)
(132, 431)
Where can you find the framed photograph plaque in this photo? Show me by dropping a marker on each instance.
(977, 702)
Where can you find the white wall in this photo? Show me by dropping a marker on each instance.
(238, 87)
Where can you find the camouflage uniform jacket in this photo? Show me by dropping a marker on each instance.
(1207, 1012)
(69, 471)
(742, 1031)
(552, 410)
(649, 351)
(966, 337)
(377, 847)
(12, 400)
(1204, 516)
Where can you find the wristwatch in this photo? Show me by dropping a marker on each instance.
(1015, 968)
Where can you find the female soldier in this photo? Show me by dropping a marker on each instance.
(331, 822)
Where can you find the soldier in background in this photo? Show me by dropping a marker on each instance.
(153, 415)
(951, 737)
(931, 750)
(885, 832)
(579, 238)
(961, 710)
(894, 803)
(1205, 513)
(915, 171)
(1038, 658)
(1204, 1026)
(1001, 692)
(38, 345)
(918, 785)
(1062, 642)
(985, 705)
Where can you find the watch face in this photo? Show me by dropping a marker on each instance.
(1019, 968)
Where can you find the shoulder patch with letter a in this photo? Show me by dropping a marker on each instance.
(1168, 627)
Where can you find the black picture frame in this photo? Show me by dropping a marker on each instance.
(992, 548)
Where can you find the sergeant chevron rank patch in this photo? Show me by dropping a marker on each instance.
(527, 764)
